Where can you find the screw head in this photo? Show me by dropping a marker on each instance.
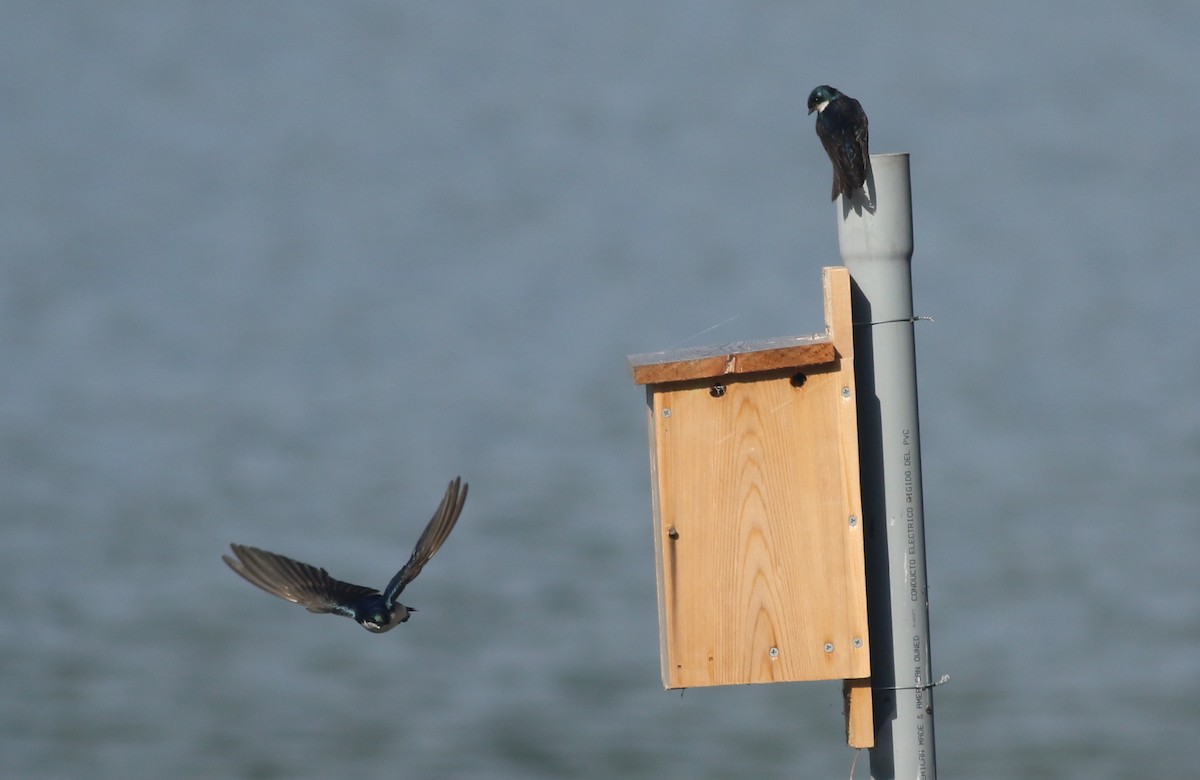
(829, 647)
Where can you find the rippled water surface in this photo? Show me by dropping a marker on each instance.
(273, 273)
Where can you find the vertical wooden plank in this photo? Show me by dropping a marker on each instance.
(839, 323)
(860, 725)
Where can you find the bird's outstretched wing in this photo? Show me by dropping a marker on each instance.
(295, 581)
(431, 538)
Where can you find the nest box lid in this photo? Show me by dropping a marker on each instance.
(747, 357)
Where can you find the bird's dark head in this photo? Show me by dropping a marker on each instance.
(376, 615)
(821, 97)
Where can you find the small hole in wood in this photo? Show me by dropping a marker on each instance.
(798, 380)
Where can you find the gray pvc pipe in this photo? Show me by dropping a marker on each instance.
(876, 239)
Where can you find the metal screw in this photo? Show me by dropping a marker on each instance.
(774, 652)
(666, 412)
(716, 391)
(857, 642)
(845, 392)
(853, 521)
(672, 533)
(829, 647)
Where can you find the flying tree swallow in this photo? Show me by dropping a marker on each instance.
(842, 128)
(318, 592)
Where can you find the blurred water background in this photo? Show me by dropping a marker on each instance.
(274, 272)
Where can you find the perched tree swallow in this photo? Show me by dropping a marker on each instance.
(842, 128)
(318, 592)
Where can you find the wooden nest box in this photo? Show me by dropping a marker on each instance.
(757, 513)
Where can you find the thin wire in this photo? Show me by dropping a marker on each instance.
(918, 318)
(695, 336)
(944, 679)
